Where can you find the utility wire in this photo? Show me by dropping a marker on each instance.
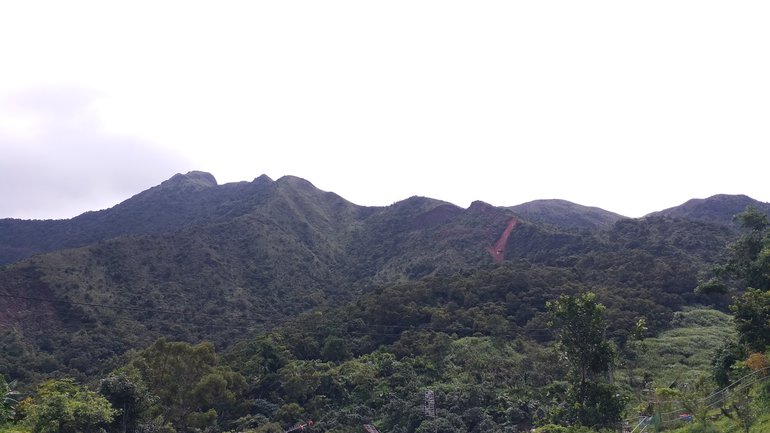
(398, 329)
(113, 307)
(738, 385)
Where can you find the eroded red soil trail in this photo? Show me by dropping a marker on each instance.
(497, 250)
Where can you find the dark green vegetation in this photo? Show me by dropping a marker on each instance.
(345, 314)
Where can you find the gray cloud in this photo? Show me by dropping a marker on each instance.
(64, 163)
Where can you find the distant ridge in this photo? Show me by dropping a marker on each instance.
(195, 198)
(718, 209)
(563, 213)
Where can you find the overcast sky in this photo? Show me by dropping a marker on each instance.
(629, 106)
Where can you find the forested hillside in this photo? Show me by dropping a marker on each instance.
(74, 310)
(319, 308)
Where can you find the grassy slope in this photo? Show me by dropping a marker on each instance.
(684, 352)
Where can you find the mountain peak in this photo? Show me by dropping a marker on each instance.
(718, 209)
(199, 179)
(263, 179)
(480, 206)
(295, 181)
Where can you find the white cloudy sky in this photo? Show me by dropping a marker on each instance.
(629, 106)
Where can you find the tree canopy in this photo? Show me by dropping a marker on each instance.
(189, 381)
(62, 406)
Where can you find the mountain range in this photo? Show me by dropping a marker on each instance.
(195, 199)
(193, 260)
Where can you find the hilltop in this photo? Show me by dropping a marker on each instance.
(718, 209)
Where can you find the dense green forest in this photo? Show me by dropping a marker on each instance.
(246, 257)
(289, 309)
(126, 293)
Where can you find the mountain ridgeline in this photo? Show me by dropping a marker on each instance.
(718, 209)
(193, 260)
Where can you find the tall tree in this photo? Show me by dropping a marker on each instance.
(751, 314)
(128, 394)
(189, 382)
(581, 343)
(748, 258)
(62, 406)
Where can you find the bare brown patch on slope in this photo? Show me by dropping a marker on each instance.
(497, 251)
